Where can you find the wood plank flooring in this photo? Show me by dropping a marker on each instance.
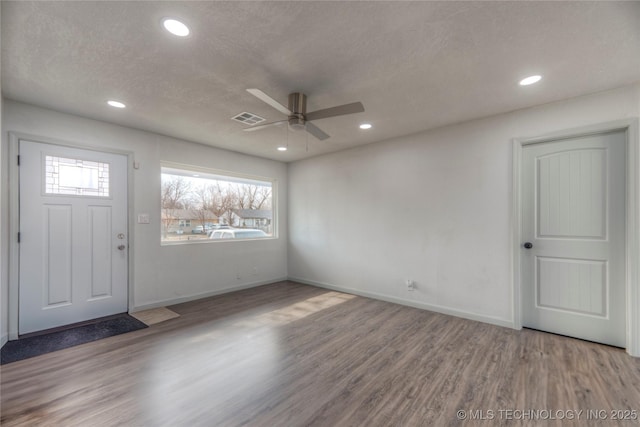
(294, 355)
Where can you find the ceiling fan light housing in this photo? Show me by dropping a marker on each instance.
(296, 123)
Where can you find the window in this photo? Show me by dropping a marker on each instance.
(76, 177)
(200, 205)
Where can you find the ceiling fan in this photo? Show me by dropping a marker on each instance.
(298, 118)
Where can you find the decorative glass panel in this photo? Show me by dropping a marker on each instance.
(76, 177)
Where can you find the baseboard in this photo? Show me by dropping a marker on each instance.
(415, 304)
(173, 301)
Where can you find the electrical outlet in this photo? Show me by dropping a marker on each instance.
(411, 285)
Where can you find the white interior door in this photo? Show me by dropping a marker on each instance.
(573, 252)
(73, 235)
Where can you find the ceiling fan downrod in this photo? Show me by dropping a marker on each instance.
(298, 108)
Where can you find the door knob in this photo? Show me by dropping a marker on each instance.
(121, 247)
(528, 245)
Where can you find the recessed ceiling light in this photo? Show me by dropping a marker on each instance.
(116, 104)
(530, 80)
(282, 148)
(365, 126)
(175, 27)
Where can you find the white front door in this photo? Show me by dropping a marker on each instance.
(573, 247)
(73, 235)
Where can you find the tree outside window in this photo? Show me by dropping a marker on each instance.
(194, 203)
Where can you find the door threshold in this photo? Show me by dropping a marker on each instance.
(573, 338)
(70, 326)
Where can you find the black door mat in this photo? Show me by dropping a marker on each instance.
(32, 346)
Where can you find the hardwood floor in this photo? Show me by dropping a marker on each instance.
(294, 355)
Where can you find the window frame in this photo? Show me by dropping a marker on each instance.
(186, 170)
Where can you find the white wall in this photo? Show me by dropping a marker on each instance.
(434, 207)
(164, 274)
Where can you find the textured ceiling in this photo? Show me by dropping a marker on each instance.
(414, 65)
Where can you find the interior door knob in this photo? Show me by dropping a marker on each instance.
(121, 247)
(528, 245)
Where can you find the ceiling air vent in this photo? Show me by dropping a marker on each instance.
(248, 118)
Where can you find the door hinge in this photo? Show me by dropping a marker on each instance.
(18, 160)
(18, 237)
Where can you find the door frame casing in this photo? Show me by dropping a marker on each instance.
(14, 218)
(632, 220)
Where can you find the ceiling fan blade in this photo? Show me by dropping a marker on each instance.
(340, 110)
(269, 100)
(316, 131)
(266, 125)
